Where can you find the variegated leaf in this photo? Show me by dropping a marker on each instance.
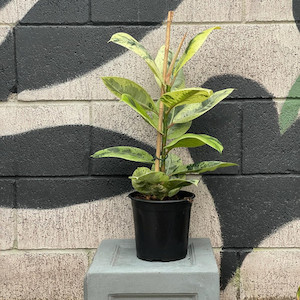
(178, 130)
(159, 60)
(193, 111)
(127, 41)
(204, 166)
(185, 96)
(193, 46)
(125, 152)
(120, 86)
(172, 163)
(177, 184)
(191, 140)
(140, 110)
(149, 182)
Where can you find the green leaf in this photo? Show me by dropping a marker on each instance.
(298, 294)
(119, 86)
(204, 166)
(172, 163)
(159, 60)
(191, 140)
(193, 111)
(127, 41)
(291, 107)
(128, 153)
(179, 82)
(149, 182)
(140, 110)
(175, 184)
(193, 46)
(178, 130)
(185, 96)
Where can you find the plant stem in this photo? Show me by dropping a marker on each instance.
(161, 105)
(164, 142)
(174, 60)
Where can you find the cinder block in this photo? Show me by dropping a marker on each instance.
(237, 56)
(114, 12)
(61, 12)
(7, 193)
(15, 10)
(7, 225)
(8, 12)
(265, 150)
(65, 54)
(116, 273)
(48, 147)
(208, 11)
(230, 291)
(23, 118)
(81, 225)
(285, 235)
(270, 274)
(7, 214)
(57, 192)
(7, 62)
(86, 225)
(44, 275)
(251, 208)
(129, 11)
(224, 123)
(270, 10)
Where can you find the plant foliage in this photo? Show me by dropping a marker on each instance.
(180, 106)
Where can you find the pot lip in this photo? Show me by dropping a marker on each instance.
(190, 195)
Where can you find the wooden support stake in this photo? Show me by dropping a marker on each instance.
(161, 105)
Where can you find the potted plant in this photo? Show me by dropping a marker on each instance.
(161, 210)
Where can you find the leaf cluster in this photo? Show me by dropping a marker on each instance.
(181, 106)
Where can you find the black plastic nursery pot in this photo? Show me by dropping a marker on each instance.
(162, 227)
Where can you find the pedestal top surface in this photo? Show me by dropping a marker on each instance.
(117, 256)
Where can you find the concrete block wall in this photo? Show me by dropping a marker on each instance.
(56, 204)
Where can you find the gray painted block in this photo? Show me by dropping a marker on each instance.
(7, 64)
(116, 273)
(127, 11)
(224, 123)
(58, 12)
(265, 150)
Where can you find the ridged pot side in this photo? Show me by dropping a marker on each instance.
(162, 227)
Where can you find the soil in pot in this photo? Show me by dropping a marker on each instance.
(162, 227)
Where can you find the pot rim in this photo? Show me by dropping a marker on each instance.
(191, 196)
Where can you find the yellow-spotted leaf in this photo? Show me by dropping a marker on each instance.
(172, 163)
(120, 86)
(193, 111)
(127, 41)
(127, 153)
(199, 168)
(159, 60)
(140, 110)
(149, 182)
(178, 130)
(191, 140)
(174, 184)
(193, 46)
(185, 96)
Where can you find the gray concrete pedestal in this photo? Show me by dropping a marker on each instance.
(116, 273)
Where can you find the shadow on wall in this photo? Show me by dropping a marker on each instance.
(250, 207)
(62, 53)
